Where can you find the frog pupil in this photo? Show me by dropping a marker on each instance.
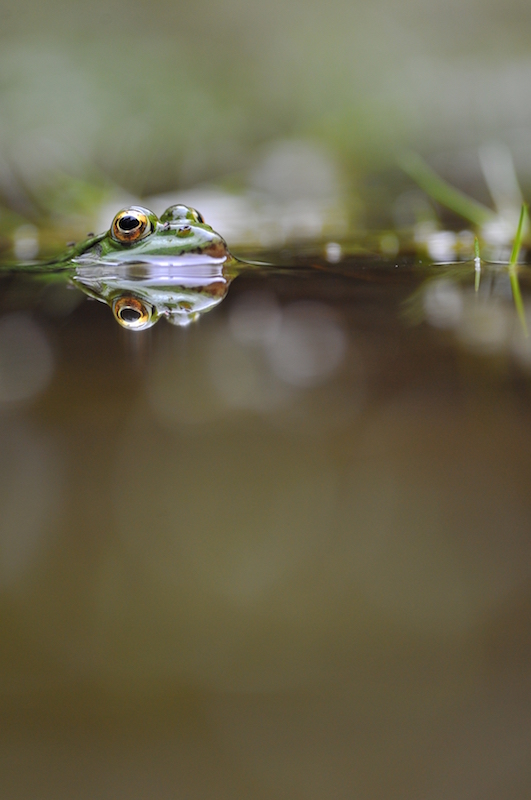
(128, 223)
(129, 314)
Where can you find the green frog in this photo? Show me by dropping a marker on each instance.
(145, 267)
(137, 234)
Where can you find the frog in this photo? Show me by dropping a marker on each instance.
(137, 234)
(145, 267)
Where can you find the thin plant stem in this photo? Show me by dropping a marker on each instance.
(519, 236)
(513, 272)
(477, 264)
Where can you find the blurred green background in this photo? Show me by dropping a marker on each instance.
(111, 100)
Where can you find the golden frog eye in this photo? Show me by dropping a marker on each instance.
(130, 225)
(131, 312)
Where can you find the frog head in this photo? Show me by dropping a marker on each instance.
(137, 234)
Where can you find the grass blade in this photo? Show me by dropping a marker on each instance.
(513, 274)
(519, 236)
(477, 264)
(417, 169)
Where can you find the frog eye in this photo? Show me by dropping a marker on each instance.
(195, 216)
(130, 225)
(180, 212)
(133, 313)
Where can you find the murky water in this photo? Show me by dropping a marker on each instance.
(281, 553)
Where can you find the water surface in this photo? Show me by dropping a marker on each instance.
(282, 552)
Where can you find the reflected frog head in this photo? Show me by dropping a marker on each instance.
(145, 267)
(140, 293)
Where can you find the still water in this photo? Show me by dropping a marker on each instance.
(282, 552)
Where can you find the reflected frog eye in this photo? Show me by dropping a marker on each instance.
(130, 225)
(131, 312)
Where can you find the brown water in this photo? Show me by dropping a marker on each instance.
(282, 553)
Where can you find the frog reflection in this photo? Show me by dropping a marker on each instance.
(140, 293)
